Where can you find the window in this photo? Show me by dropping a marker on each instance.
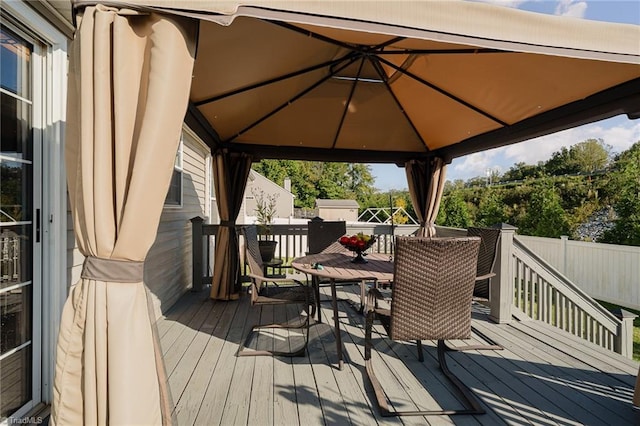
(174, 196)
(16, 223)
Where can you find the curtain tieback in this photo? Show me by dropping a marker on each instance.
(112, 270)
(228, 223)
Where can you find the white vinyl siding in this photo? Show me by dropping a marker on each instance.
(168, 264)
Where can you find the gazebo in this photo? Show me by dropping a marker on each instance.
(415, 83)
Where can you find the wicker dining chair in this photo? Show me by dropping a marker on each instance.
(489, 240)
(490, 237)
(282, 291)
(431, 300)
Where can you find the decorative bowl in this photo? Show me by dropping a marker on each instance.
(358, 243)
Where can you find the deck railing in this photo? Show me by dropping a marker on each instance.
(291, 238)
(544, 294)
(524, 281)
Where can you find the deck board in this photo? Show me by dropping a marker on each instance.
(534, 363)
(285, 408)
(190, 400)
(542, 377)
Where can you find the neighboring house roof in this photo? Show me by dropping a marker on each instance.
(337, 204)
(263, 180)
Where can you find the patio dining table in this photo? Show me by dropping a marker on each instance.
(339, 267)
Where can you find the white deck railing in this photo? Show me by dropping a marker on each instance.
(606, 272)
(544, 294)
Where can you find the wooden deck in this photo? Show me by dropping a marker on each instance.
(543, 377)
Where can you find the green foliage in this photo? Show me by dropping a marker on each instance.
(545, 216)
(584, 157)
(491, 209)
(10, 199)
(548, 199)
(625, 184)
(265, 209)
(311, 179)
(521, 171)
(454, 212)
(359, 182)
(553, 198)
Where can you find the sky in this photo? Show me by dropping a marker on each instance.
(618, 132)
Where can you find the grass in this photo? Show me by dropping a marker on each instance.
(636, 327)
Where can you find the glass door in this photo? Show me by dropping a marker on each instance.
(19, 223)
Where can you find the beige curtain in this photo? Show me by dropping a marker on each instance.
(231, 172)
(425, 179)
(129, 82)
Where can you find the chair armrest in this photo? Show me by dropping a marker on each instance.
(261, 279)
(486, 276)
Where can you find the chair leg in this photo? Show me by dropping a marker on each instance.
(472, 403)
(419, 347)
(315, 281)
(492, 346)
(243, 351)
(363, 296)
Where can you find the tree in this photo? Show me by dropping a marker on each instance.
(544, 215)
(454, 212)
(625, 183)
(561, 163)
(491, 209)
(312, 179)
(360, 182)
(399, 218)
(584, 157)
(591, 155)
(521, 171)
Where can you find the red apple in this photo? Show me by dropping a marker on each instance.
(344, 240)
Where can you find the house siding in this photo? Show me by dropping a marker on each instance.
(283, 200)
(167, 270)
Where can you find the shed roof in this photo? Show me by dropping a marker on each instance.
(336, 204)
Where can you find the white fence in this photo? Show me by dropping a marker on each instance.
(605, 272)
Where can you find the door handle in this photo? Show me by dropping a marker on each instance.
(37, 225)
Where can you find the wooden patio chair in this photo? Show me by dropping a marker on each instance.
(283, 291)
(431, 300)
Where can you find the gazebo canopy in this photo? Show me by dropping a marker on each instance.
(374, 81)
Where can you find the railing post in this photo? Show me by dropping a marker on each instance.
(563, 254)
(196, 253)
(623, 342)
(501, 289)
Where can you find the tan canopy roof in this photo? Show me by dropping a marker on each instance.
(376, 81)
